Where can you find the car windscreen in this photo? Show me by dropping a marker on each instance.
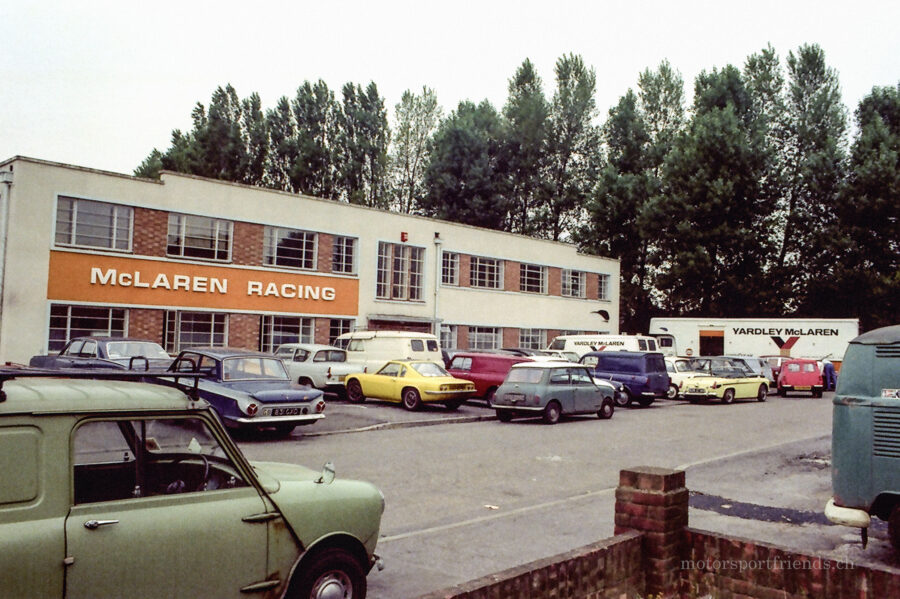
(246, 368)
(525, 375)
(130, 349)
(429, 369)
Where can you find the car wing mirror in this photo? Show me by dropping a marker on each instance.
(327, 476)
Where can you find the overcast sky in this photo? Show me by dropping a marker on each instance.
(101, 83)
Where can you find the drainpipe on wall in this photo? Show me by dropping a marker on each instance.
(6, 181)
(436, 325)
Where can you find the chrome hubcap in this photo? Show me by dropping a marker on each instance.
(333, 585)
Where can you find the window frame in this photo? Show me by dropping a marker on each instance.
(173, 333)
(119, 212)
(273, 243)
(340, 247)
(529, 274)
(567, 288)
(603, 287)
(400, 272)
(533, 338)
(113, 316)
(477, 334)
(484, 270)
(222, 229)
(450, 268)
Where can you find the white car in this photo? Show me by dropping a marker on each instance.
(321, 366)
(679, 369)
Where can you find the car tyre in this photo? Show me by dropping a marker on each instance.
(645, 402)
(672, 392)
(817, 394)
(504, 416)
(782, 392)
(894, 527)
(728, 396)
(305, 381)
(283, 430)
(453, 404)
(355, 392)
(332, 573)
(489, 396)
(606, 410)
(552, 412)
(763, 393)
(623, 399)
(411, 399)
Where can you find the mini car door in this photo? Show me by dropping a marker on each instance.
(159, 510)
(561, 389)
(588, 396)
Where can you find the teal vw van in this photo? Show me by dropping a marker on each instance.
(865, 440)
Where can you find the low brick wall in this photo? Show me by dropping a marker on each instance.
(610, 569)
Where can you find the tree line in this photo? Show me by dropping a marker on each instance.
(752, 200)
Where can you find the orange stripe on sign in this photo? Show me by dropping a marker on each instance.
(712, 333)
(126, 281)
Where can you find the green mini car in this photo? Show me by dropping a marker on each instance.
(865, 439)
(115, 488)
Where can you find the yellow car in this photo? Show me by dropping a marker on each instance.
(726, 380)
(412, 383)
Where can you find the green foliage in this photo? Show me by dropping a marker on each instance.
(417, 117)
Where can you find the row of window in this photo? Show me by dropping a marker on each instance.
(183, 329)
(400, 269)
(491, 338)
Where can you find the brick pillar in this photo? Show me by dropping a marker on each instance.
(654, 501)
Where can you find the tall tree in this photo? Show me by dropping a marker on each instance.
(709, 214)
(361, 146)
(526, 113)
(814, 162)
(573, 146)
(315, 113)
(417, 117)
(466, 178)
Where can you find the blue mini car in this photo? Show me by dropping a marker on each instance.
(251, 390)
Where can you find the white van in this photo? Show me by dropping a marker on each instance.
(373, 349)
(582, 344)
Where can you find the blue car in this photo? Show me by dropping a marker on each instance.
(251, 390)
(643, 374)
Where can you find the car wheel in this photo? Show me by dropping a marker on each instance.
(411, 399)
(305, 381)
(894, 527)
(355, 392)
(331, 573)
(623, 399)
(283, 430)
(489, 396)
(672, 393)
(552, 413)
(728, 396)
(453, 404)
(606, 410)
(817, 394)
(504, 416)
(763, 393)
(645, 401)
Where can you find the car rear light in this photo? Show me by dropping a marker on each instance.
(328, 372)
(320, 407)
(252, 409)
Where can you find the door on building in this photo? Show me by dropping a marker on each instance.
(712, 343)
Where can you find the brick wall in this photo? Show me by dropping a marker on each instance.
(247, 246)
(462, 337)
(511, 275)
(592, 281)
(146, 324)
(510, 337)
(465, 268)
(325, 251)
(322, 330)
(243, 331)
(151, 231)
(554, 281)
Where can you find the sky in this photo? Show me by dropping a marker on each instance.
(100, 83)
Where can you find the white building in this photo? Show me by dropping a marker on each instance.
(192, 261)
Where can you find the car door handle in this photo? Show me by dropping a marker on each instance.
(95, 524)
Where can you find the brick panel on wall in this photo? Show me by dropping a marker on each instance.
(554, 281)
(247, 245)
(462, 337)
(146, 324)
(511, 275)
(322, 330)
(151, 231)
(592, 280)
(465, 267)
(510, 337)
(325, 250)
(243, 331)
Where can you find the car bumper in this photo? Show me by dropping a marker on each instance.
(276, 420)
(845, 516)
(515, 408)
(813, 388)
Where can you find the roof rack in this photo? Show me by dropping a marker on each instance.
(113, 374)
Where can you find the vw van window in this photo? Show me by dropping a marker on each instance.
(417, 344)
(432, 345)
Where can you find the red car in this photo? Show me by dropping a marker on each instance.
(798, 374)
(487, 371)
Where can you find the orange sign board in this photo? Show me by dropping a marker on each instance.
(133, 281)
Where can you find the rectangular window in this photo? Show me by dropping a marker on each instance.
(400, 272)
(532, 338)
(93, 224)
(195, 329)
(68, 322)
(484, 338)
(603, 287)
(276, 330)
(343, 255)
(450, 268)
(290, 248)
(199, 237)
(573, 283)
(486, 273)
(449, 336)
(337, 327)
(532, 278)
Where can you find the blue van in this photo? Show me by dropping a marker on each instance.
(643, 374)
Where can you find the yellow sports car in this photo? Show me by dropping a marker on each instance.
(726, 380)
(412, 383)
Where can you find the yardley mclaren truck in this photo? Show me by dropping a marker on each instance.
(817, 338)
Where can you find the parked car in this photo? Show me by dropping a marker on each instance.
(725, 380)
(800, 374)
(642, 373)
(114, 488)
(551, 390)
(680, 369)
(759, 366)
(251, 390)
(374, 349)
(775, 363)
(412, 383)
(486, 371)
(321, 366)
(865, 439)
(106, 352)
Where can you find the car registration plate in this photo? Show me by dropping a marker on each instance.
(283, 411)
(694, 390)
(514, 397)
(804, 388)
